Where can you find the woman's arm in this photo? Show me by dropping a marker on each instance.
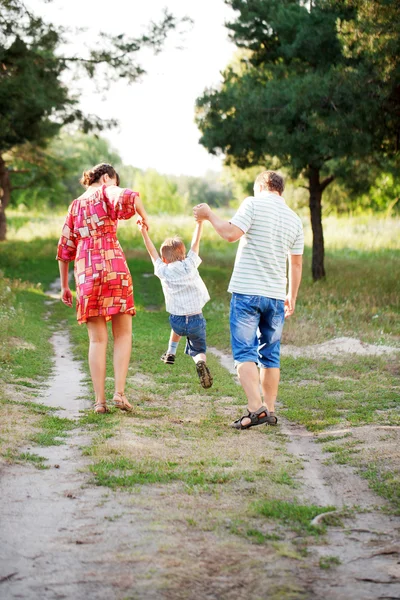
(141, 212)
(66, 294)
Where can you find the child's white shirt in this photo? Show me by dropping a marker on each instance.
(184, 290)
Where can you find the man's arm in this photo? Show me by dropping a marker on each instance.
(228, 231)
(196, 237)
(147, 241)
(295, 270)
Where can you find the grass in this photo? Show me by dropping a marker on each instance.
(124, 473)
(177, 436)
(327, 562)
(297, 516)
(53, 430)
(26, 457)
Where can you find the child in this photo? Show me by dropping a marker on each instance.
(185, 295)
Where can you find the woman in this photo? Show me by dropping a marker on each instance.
(104, 288)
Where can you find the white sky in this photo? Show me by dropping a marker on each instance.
(156, 116)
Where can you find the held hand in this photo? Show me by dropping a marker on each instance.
(290, 303)
(142, 225)
(201, 212)
(66, 297)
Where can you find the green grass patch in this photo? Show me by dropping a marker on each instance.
(383, 482)
(53, 430)
(297, 516)
(125, 473)
(26, 457)
(327, 562)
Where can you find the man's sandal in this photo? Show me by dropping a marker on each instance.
(121, 402)
(258, 417)
(100, 408)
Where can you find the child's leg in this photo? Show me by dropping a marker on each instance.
(200, 356)
(169, 356)
(196, 348)
(174, 339)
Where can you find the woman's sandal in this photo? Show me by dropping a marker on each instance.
(258, 417)
(121, 402)
(100, 408)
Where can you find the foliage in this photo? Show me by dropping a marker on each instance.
(34, 101)
(299, 92)
(55, 170)
(159, 193)
(210, 188)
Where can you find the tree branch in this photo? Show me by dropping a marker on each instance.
(326, 182)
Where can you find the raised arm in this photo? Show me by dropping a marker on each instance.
(151, 249)
(141, 212)
(228, 231)
(295, 270)
(196, 237)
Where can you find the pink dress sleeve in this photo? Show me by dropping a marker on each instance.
(66, 249)
(120, 201)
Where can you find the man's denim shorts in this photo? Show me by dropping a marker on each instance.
(194, 328)
(256, 329)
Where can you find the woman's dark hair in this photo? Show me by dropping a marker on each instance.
(93, 175)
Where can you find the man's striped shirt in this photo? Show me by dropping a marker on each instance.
(272, 231)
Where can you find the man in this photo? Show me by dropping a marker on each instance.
(271, 235)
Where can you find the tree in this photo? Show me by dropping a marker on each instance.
(159, 193)
(299, 94)
(34, 102)
(49, 177)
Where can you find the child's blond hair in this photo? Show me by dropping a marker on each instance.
(173, 249)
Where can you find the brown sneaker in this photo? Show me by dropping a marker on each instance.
(204, 374)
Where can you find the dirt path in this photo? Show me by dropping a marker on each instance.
(62, 537)
(368, 547)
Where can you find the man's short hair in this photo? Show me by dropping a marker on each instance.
(173, 249)
(271, 181)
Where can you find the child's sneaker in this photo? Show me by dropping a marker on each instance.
(204, 374)
(168, 359)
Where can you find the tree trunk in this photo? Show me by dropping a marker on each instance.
(318, 250)
(5, 193)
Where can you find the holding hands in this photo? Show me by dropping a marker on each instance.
(142, 224)
(201, 212)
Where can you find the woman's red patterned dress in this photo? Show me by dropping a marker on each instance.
(89, 236)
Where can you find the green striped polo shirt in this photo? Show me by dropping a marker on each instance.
(272, 230)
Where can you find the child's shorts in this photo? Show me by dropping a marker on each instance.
(194, 328)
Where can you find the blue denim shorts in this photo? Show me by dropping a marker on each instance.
(256, 324)
(194, 328)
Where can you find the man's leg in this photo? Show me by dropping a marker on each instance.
(270, 333)
(244, 321)
(269, 386)
(250, 381)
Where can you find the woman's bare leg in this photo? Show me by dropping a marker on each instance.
(97, 331)
(122, 332)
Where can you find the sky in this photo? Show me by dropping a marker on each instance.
(156, 116)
